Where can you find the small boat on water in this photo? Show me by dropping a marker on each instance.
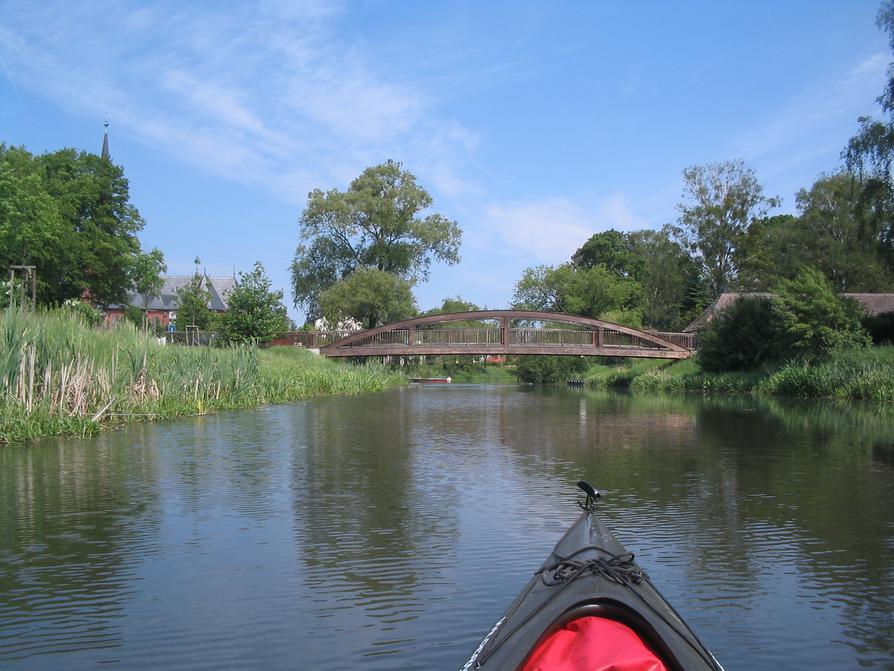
(590, 607)
(431, 380)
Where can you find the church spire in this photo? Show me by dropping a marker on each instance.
(105, 142)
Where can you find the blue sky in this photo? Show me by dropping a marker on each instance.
(533, 125)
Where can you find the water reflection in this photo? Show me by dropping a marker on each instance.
(370, 541)
(391, 530)
(74, 523)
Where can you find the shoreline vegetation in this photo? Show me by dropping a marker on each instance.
(856, 374)
(59, 376)
(859, 374)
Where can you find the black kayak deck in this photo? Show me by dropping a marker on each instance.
(590, 573)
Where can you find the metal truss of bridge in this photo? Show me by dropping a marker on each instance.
(510, 332)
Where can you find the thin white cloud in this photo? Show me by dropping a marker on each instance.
(550, 231)
(267, 95)
(543, 231)
(812, 113)
(871, 68)
(615, 212)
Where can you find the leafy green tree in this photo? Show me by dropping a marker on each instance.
(192, 303)
(372, 297)
(668, 275)
(69, 214)
(376, 224)
(611, 249)
(673, 291)
(543, 369)
(541, 287)
(832, 238)
(449, 305)
(100, 225)
(827, 235)
(589, 292)
(31, 230)
(773, 247)
(814, 318)
(870, 154)
(457, 304)
(743, 336)
(147, 276)
(721, 200)
(254, 313)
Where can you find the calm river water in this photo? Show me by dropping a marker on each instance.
(390, 531)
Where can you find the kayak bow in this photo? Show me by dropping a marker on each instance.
(591, 607)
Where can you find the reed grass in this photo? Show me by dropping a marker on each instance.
(289, 374)
(624, 375)
(858, 374)
(61, 376)
(686, 376)
(861, 374)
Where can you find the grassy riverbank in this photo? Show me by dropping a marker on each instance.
(855, 374)
(58, 376)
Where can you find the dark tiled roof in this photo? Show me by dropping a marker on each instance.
(218, 287)
(874, 304)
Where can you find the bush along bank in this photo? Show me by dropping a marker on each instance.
(60, 376)
(805, 341)
(866, 373)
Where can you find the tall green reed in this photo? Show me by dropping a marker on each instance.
(58, 375)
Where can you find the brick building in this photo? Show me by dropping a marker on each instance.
(163, 308)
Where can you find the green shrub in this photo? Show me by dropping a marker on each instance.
(815, 320)
(255, 312)
(741, 337)
(549, 369)
(83, 311)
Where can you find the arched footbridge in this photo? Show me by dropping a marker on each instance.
(510, 332)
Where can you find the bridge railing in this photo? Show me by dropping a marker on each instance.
(516, 336)
(556, 337)
(395, 337)
(612, 338)
(687, 340)
(489, 336)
